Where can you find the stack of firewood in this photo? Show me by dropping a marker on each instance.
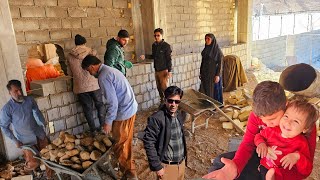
(78, 152)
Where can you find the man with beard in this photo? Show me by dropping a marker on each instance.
(164, 139)
(27, 122)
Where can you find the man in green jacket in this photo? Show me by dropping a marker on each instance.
(114, 55)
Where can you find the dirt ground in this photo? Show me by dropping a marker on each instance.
(203, 146)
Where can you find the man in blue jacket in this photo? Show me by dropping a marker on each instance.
(121, 111)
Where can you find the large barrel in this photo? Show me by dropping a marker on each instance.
(301, 79)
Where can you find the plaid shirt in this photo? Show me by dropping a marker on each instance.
(175, 150)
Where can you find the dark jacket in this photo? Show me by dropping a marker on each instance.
(114, 55)
(157, 137)
(161, 53)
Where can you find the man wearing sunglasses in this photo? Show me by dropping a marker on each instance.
(161, 54)
(164, 139)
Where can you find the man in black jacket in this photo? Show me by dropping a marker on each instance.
(164, 139)
(161, 54)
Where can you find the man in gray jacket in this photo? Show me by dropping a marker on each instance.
(85, 85)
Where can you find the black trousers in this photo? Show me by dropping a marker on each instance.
(250, 172)
(89, 100)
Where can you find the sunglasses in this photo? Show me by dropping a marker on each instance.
(170, 101)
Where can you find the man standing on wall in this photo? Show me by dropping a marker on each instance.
(164, 139)
(161, 53)
(27, 122)
(85, 85)
(121, 111)
(114, 55)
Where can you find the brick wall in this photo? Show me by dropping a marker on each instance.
(189, 20)
(272, 52)
(186, 69)
(58, 21)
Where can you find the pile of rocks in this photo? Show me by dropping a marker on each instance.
(238, 107)
(78, 152)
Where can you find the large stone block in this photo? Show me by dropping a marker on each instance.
(90, 23)
(95, 12)
(82, 31)
(39, 36)
(59, 125)
(77, 130)
(20, 37)
(53, 114)
(65, 111)
(43, 103)
(60, 34)
(120, 3)
(50, 23)
(42, 87)
(32, 11)
(74, 109)
(56, 12)
(73, 23)
(123, 22)
(21, 2)
(98, 32)
(56, 100)
(15, 12)
(71, 122)
(68, 97)
(87, 3)
(77, 12)
(107, 22)
(46, 2)
(104, 3)
(69, 3)
(62, 84)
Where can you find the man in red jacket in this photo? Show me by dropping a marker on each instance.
(269, 104)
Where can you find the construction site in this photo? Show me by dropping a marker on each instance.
(268, 39)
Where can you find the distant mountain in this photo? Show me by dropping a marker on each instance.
(271, 7)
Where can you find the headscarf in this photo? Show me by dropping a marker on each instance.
(213, 50)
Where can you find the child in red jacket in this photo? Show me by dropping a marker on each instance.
(269, 104)
(284, 149)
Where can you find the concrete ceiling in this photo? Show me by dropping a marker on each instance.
(271, 7)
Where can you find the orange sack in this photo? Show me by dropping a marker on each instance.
(39, 73)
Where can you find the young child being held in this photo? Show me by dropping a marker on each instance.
(284, 149)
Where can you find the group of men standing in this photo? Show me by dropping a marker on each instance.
(92, 81)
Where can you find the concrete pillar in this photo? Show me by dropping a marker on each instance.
(10, 67)
(245, 26)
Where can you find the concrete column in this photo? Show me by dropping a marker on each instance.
(160, 7)
(245, 26)
(10, 66)
(138, 28)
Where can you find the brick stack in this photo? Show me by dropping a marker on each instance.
(60, 106)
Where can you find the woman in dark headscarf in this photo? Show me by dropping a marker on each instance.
(210, 69)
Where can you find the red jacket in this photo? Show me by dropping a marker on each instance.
(280, 147)
(247, 146)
